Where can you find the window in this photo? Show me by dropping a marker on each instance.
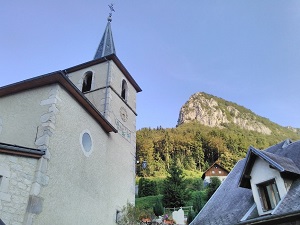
(269, 196)
(86, 143)
(124, 90)
(87, 81)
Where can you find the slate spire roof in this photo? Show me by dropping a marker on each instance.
(106, 46)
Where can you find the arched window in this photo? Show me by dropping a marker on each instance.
(87, 81)
(124, 90)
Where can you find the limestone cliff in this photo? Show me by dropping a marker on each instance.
(216, 112)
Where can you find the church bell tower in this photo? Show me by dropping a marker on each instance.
(108, 85)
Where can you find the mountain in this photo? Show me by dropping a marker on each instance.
(213, 111)
(209, 129)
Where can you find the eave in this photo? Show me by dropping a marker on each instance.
(274, 219)
(21, 151)
(112, 57)
(271, 159)
(61, 79)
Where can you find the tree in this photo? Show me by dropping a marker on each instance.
(158, 208)
(198, 203)
(213, 186)
(147, 187)
(191, 215)
(175, 192)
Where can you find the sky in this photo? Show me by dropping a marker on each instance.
(247, 52)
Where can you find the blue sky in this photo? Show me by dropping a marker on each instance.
(247, 52)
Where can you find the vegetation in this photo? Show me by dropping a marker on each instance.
(213, 186)
(158, 208)
(175, 193)
(195, 147)
(177, 157)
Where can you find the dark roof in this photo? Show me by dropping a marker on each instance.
(106, 46)
(21, 151)
(59, 78)
(284, 165)
(112, 57)
(224, 207)
(230, 203)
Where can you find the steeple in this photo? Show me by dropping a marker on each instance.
(106, 46)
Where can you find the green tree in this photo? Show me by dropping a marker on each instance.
(198, 203)
(158, 208)
(191, 215)
(147, 187)
(175, 192)
(213, 186)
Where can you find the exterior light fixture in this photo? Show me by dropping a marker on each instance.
(144, 164)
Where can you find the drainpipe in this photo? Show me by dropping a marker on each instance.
(106, 88)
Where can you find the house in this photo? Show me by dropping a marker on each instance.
(263, 188)
(67, 143)
(215, 170)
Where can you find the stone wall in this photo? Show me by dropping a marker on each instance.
(16, 176)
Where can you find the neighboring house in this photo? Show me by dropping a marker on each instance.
(67, 143)
(263, 188)
(215, 170)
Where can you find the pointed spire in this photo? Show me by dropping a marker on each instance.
(106, 46)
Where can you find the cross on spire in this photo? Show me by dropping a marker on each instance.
(111, 7)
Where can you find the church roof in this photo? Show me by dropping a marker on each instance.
(21, 151)
(106, 46)
(116, 60)
(60, 78)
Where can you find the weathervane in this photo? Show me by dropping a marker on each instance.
(111, 7)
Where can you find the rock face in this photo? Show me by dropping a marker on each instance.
(216, 112)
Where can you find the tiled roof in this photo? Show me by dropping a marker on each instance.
(230, 203)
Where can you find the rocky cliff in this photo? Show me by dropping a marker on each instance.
(216, 112)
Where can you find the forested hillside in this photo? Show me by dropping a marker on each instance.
(195, 145)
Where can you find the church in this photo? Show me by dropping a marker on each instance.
(68, 143)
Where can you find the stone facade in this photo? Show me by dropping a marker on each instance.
(17, 175)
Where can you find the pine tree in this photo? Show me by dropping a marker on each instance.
(158, 208)
(175, 193)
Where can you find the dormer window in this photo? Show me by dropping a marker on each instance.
(124, 90)
(87, 81)
(268, 194)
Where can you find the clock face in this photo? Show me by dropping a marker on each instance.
(123, 114)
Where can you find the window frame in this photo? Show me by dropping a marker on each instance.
(124, 90)
(268, 194)
(87, 81)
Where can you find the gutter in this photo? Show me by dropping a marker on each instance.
(21, 151)
(274, 219)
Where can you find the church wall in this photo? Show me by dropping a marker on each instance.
(17, 174)
(81, 184)
(99, 82)
(20, 116)
(116, 83)
(122, 158)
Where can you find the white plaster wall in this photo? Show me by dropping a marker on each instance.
(20, 116)
(84, 190)
(99, 81)
(116, 82)
(261, 172)
(17, 177)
